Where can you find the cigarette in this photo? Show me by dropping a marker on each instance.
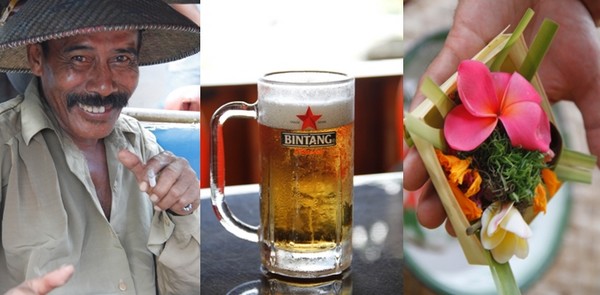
(151, 178)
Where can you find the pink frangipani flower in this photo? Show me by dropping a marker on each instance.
(491, 96)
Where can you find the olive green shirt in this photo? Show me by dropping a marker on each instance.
(50, 214)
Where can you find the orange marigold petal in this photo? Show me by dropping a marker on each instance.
(551, 181)
(445, 161)
(459, 170)
(540, 200)
(468, 207)
(455, 168)
(475, 186)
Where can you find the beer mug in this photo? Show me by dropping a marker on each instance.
(306, 130)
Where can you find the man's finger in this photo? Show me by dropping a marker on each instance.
(52, 280)
(181, 194)
(132, 162)
(417, 175)
(450, 228)
(430, 211)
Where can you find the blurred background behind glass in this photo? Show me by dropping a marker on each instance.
(241, 40)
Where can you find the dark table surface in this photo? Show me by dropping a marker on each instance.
(232, 266)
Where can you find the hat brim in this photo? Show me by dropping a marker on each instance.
(166, 34)
(183, 1)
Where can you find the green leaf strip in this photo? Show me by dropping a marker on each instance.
(578, 159)
(503, 277)
(432, 91)
(537, 50)
(575, 166)
(516, 34)
(420, 128)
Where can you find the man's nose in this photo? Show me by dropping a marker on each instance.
(101, 80)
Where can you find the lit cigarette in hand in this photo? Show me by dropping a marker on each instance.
(151, 178)
(152, 183)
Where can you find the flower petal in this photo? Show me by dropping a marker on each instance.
(504, 232)
(505, 251)
(475, 186)
(500, 81)
(551, 181)
(540, 200)
(519, 89)
(465, 132)
(514, 223)
(498, 213)
(454, 166)
(467, 206)
(490, 239)
(476, 89)
(527, 126)
(522, 248)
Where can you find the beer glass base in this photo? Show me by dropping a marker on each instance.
(275, 284)
(306, 265)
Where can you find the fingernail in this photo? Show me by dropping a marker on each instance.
(66, 266)
(156, 208)
(154, 198)
(143, 186)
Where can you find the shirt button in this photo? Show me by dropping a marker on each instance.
(122, 285)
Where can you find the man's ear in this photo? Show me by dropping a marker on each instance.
(34, 56)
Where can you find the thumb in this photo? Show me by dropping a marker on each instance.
(52, 280)
(132, 162)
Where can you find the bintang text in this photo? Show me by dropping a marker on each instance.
(308, 139)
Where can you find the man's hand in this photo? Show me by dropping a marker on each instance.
(44, 284)
(176, 183)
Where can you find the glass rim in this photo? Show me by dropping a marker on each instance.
(341, 78)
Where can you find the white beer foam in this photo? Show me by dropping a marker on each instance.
(305, 77)
(282, 111)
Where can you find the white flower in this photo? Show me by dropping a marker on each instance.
(504, 232)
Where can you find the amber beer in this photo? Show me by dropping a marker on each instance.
(307, 159)
(309, 197)
(306, 130)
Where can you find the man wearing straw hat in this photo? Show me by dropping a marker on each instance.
(86, 191)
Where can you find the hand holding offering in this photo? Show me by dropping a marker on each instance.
(488, 140)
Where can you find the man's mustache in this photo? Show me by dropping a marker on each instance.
(116, 100)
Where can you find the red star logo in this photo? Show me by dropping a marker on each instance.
(309, 120)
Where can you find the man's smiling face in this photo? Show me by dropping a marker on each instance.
(87, 79)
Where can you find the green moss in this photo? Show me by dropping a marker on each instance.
(508, 173)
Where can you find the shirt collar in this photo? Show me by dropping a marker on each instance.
(34, 112)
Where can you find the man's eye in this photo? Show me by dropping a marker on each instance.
(122, 58)
(79, 58)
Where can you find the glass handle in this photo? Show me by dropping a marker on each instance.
(236, 109)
